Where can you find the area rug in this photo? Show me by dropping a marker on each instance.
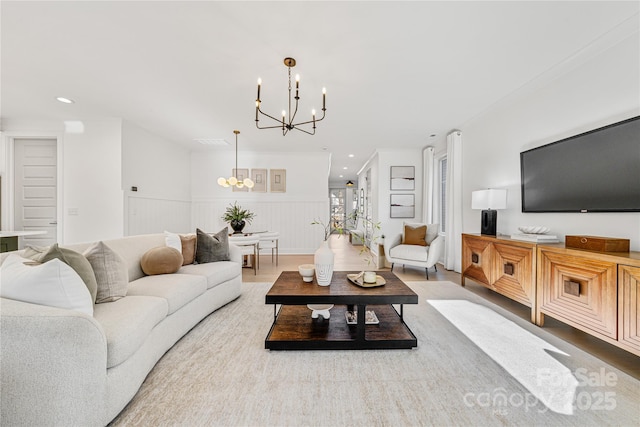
(475, 364)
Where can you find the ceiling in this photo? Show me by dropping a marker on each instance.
(396, 73)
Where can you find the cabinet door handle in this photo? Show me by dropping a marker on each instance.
(572, 288)
(475, 258)
(509, 269)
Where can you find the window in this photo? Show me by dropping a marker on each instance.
(443, 193)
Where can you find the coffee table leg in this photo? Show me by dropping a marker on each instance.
(361, 326)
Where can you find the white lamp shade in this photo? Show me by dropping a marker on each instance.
(489, 199)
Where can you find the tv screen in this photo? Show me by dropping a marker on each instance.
(597, 171)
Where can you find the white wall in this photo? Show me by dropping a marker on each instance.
(381, 177)
(91, 176)
(598, 91)
(161, 171)
(290, 213)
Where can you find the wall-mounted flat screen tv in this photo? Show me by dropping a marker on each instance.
(596, 171)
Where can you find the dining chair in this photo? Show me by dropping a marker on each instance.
(269, 240)
(248, 247)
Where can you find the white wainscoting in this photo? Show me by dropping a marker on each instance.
(292, 218)
(147, 215)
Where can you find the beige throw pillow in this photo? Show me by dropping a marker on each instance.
(161, 260)
(188, 248)
(110, 270)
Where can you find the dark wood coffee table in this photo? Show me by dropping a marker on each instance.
(294, 329)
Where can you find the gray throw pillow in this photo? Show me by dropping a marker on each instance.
(111, 272)
(212, 248)
(73, 259)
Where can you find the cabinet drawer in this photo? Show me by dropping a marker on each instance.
(579, 291)
(477, 255)
(628, 313)
(513, 272)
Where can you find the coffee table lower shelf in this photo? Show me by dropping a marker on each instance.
(294, 329)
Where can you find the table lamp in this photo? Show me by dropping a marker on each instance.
(489, 201)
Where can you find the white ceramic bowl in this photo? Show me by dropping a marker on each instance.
(534, 229)
(307, 271)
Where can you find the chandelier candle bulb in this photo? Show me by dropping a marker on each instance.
(324, 95)
(258, 100)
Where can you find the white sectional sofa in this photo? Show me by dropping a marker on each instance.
(63, 367)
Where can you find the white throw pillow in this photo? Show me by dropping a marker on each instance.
(53, 283)
(172, 240)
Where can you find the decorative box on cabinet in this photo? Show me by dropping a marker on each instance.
(596, 292)
(503, 265)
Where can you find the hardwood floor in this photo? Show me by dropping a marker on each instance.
(347, 257)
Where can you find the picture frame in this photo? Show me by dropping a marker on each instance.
(403, 206)
(361, 205)
(278, 178)
(403, 178)
(259, 178)
(240, 174)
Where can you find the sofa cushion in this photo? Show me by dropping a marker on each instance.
(177, 289)
(415, 235)
(127, 324)
(73, 259)
(410, 252)
(188, 242)
(161, 260)
(110, 270)
(215, 272)
(211, 248)
(54, 284)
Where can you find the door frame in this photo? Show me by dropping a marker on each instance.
(8, 183)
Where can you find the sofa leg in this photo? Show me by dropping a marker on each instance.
(391, 266)
(427, 270)
(435, 267)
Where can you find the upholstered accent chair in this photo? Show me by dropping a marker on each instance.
(419, 245)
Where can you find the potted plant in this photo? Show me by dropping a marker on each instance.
(237, 217)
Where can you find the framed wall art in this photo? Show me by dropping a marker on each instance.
(259, 178)
(403, 205)
(240, 174)
(278, 180)
(403, 178)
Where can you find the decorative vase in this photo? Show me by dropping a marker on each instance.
(237, 226)
(323, 260)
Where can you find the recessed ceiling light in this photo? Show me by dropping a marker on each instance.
(64, 100)
(351, 155)
(345, 168)
(212, 141)
(341, 176)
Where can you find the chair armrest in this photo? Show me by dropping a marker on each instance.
(436, 249)
(391, 242)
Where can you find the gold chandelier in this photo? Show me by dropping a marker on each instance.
(231, 181)
(288, 124)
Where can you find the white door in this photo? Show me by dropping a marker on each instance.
(35, 190)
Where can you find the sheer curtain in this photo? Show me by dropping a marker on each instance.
(453, 224)
(427, 196)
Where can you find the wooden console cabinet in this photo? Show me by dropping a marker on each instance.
(503, 265)
(596, 292)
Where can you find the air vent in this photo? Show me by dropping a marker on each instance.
(212, 141)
